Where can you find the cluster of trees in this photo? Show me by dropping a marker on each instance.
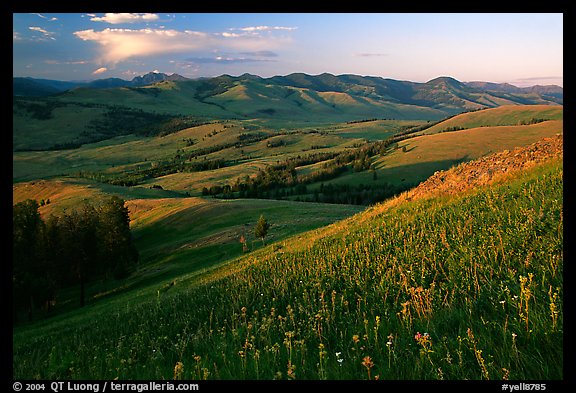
(39, 108)
(282, 180)
(533, 120)
(361, 121)
(273, 177)
(156, 169)
(68, 250)
(362, 194)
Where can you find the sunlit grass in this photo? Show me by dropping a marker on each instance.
(465, 287)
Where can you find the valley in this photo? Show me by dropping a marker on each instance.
(361, 254)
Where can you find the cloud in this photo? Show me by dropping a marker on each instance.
(263, 28)
(16, 36)
(45, 17)
(118, 44)
(225, 60)
(46, 34)
(260, 53)
(99, 71)
(539, 80)
(51, 61)
(370, 54)
(115, 19)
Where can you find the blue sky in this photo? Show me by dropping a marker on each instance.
(521, 49)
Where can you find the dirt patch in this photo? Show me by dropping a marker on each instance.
(488, 169)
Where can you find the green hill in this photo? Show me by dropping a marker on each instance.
(464, 285)
(294, 100)
(506, 115)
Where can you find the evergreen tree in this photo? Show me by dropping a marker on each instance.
(26, 254)
(261, 229)
(119, 255)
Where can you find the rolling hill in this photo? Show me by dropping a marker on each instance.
(319, 98)
(45, 87)
(454, 253)
(462, 284)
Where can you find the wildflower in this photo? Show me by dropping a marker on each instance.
(367, 362)
(355, 338)
(290, 373)
(418, 336)
(178, 370)
(243, 309)
(338, 354)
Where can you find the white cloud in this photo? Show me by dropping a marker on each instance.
(226, 60)
(45, 17)
(370, 54)
(120, 44)
(99, 71)
(115, 19)
(264, 28)
(47, 34)
(74, 62)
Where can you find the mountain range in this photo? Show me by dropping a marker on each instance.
(346, 96)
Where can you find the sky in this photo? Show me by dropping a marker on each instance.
(523, 49)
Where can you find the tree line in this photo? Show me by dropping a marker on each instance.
(282, 180)
(73, 249)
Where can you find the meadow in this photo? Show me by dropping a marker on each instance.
(467, 286)
(449, 287)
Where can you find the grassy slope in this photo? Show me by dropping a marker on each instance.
(66, 124)
(507, 115)
(477, 271)
(179, 236)
(430, 153)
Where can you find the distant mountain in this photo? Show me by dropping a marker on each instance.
(155, 77)
(552, 91)
(106, 83)
(298, 95)
(33, 87)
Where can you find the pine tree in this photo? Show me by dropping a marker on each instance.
(261, 229)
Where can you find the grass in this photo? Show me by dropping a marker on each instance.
(461, 287)
(66, 124)
(429, 153)
(506, 115)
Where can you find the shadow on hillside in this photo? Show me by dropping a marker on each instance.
(417, 173)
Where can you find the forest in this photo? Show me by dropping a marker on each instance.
(93, 242)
